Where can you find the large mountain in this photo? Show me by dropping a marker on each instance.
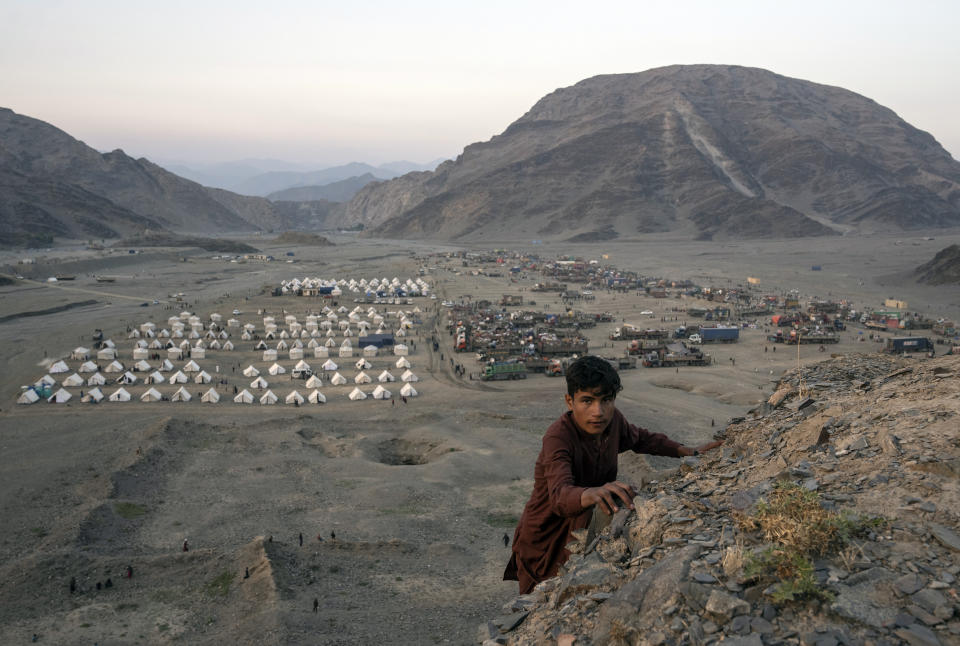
(53, 185)
(341, 191)
(708, 151)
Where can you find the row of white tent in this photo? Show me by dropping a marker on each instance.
(417, 285)
(211, 396)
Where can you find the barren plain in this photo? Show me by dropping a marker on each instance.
(417, 495)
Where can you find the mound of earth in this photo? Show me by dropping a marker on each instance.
(864, 445)
(943, 269)
(162, 239)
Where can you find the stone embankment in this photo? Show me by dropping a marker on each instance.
(829, 516)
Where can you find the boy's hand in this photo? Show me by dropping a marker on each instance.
(606, 496)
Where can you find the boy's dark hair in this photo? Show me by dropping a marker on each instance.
(589, 372)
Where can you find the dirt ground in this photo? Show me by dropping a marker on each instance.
(418, 496)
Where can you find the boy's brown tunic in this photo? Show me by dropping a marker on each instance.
(569, 462)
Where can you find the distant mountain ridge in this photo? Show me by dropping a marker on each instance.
(54, 185)
(341, 191)
(706, 151)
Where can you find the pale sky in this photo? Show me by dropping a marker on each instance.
(328, 83)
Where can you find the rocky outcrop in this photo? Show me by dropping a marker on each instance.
(944, 269)
(867, 440)
(709, 151)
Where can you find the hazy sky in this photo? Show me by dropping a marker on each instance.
(376, 81)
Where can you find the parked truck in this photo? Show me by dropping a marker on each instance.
(676, 355)
(642, 346)
(903, 344)
(716, 335)
(503, 370)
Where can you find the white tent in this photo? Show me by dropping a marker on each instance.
(277, 369)
(321, 352)
(178, 378)
(46, 380)
(337, 379)
(250, 371)
(191, 366)
(96, 379)
(409, 376)
(140, 353)
(92, 396)
(362, 378)
(198, 353)
(282, 345)
(227, 346)
(155, 377)
(243, 397)
(260, 346)
(400, 350)
(370, 351)
(363, 364)
(115, 366)
(268, 398)
(203, 377)
(294, 397)
(357, 394)
(106, 354)
(296, 353)
(60, 397)
(87, 366)
(269, 355)
(119, 395)
(330, 343)
(402, 363)
(181, 395)
(127, 378)
(385, 376)
(29, 396)
(166, 366)
(313, 382)
(72, 380)
(142, 366)
(381, 393)
(316, 397)
(80, 353)
(174, 353)
(346, 351)
(259, 382)
(211, 396)
(329, 365)
(408, 391)
(59, 366)
(152, 395)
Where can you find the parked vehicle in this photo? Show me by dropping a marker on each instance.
(903, 344)
(502, 370)
(716, 335)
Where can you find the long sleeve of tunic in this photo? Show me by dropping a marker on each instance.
(570, 461)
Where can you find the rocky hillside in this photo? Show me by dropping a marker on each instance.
(710, 151)
(944, 269)
(53, 184)
(830, 516)
(342, 191)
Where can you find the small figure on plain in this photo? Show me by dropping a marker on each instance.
(108, 584)
(333, 535)
(73, 584)
(301, 539)
(506, 541)
(129, 572)
(246, 573)
(186, 546)
(316, 604)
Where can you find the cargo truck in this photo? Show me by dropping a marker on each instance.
(902, 344)
(716, 335)
(500, 371)
(675, 355)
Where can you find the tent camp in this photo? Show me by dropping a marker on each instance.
(58, 367)
(211, 396)
(243, 397)
(385, 376)
(337, 379)
(356, 394)
(294, 398)
(268, 398)
(95, 396)
(152, 395)
(72, 380)
(250, 371)
(408, 391)
(181, 395)
(28, 396)
(119, 395)
(409, 376)
(96, 379)
(381, 393)
(316, 397)
(60, 397)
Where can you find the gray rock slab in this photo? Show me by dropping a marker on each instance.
(863, 601)
(945, 535)
(723, 607)
(908, 583)
(753, 639)
(917, 635)
(639, 602)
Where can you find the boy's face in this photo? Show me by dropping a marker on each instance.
(592, 409)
